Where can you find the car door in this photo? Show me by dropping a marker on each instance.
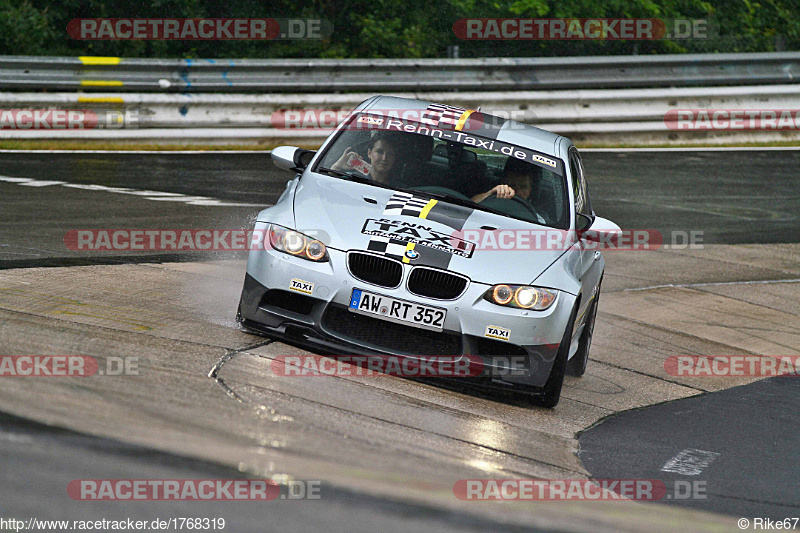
(590, 266)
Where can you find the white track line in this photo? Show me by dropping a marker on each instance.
(690, 462)
(712, 284)
(158, 196)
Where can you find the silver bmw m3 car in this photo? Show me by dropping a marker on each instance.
(421, 229)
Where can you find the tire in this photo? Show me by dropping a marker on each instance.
(239, 318)
(577, 365)
(551, 392)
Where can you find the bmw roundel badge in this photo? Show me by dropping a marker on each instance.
(412, 254)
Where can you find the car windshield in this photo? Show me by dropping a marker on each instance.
(451, 165)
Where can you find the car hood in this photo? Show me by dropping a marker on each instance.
(486, 247)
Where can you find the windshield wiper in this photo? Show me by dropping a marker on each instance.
(353, 177)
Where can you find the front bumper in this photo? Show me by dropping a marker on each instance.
(321, 320)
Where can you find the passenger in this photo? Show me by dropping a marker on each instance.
(382, 155)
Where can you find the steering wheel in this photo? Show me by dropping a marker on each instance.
(522, 201)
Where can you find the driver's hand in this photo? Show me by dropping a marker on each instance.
(341, 164)
(503, 191)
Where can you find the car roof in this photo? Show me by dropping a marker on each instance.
(504, 130)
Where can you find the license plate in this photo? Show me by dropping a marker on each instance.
(392, 309)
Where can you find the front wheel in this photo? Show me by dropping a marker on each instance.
(577, 365)
(551, 392)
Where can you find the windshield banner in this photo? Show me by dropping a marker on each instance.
(443, 124)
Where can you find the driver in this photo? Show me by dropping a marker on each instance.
(382, 155)
(518, 177)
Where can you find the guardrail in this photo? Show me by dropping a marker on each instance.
(192, 76)
(587, 116)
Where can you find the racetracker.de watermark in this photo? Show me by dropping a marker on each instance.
(193, 489)
(732, 119)
(198, 29)
(66, 366)
(553, 239)
(174, 240)
(577, 490)
(581, 29)
(328, 119)
(229, 240)
(67, 119)
(376, 365)
(173, 489)
(732, 365)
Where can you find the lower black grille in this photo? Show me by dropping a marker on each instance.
(375, 269)
(290, 301)
(435, 283)
(390, 335)
(493, 347)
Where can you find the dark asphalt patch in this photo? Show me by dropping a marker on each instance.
(753, 428)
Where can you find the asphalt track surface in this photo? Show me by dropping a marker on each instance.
(41, 461)
(391, 448)
(731, 197)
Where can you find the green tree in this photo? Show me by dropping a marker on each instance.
(388, 28)
(24, 29)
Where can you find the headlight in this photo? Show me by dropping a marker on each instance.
(295, 243)
(521, 296)
(502, 294)
(315, 250)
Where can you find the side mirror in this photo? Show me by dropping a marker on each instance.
(598, 230)
(583, 222)
(292, 157)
